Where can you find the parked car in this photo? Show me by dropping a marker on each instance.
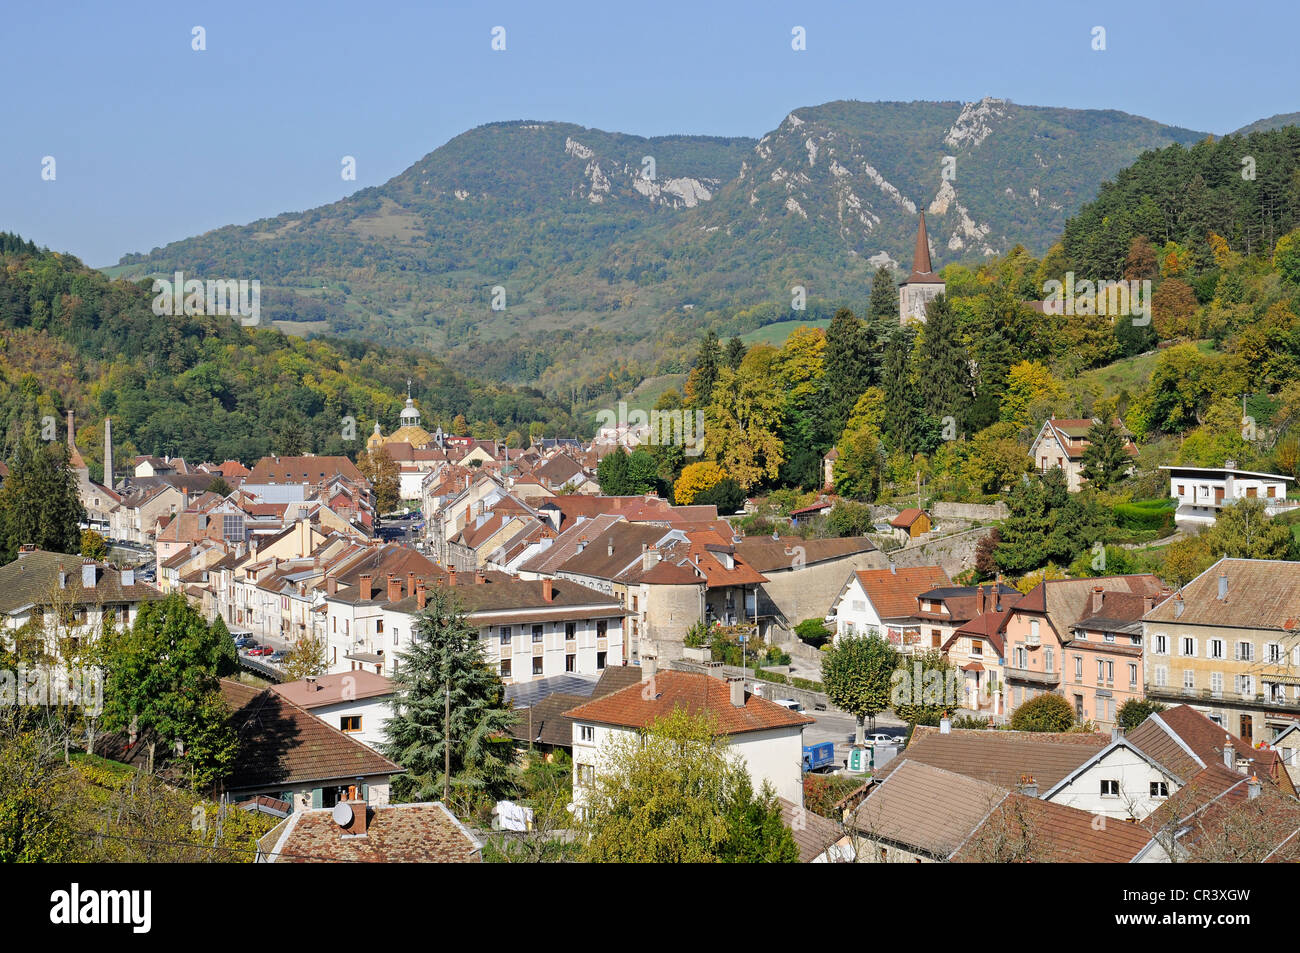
(278, 656)
(244, 641)
(881, 739)
(261, 650)
(789, 703)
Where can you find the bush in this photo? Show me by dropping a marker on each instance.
(1135, 711)
(813, 631)
(1046, 712)
(973, 722)
(1153, 515)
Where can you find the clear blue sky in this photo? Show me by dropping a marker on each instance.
(154, 141)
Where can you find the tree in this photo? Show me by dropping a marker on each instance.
(306, 657)
(907, 427)
(161, 676)
(1243, 530)
(36, 823)
(382, 471)
(882, 307)
(1105, 459)
(704, 373)
(726, 495)
(1185, 559)
(997, 458)
(39, 502)
(444, 661)
(851, 366)
(859, 471)
(1045, 712)
(1031, 394)
(735, 353)
(1173, 309)
(93, 545)
(743, 422)
(1286, 256)
(219, 486)
(1135, 711)
(612, 473)
(945, 385)
(642, 472)
(856, 674)
(696, 478)
(925, 687)
(677, 794)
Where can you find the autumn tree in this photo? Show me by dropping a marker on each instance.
(696, 478)
(382, 471)
(743, 421)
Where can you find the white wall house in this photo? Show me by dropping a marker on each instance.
(1202, 492)
(1119, 781)
(356, 703)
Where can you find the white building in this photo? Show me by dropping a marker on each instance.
(767, 737)
(886, 601)
(356, 703)
(1202, 492)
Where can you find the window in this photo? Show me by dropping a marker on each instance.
(505, 668)
(1161, 675)
(1049, 661)
(349, 723)
(395, 640)
(1160, 789)
(1022, 657)
(570, 630)
(602, 628)
(936, 639)
(587, 733)
(379, 627)
(1273, 652)
(976, 647)
(1078, 668)
(570, 663)
(1245, 684)
(537, 633)
(1216, 683)
(1189, 647)
(1033, 629)
(1109, 636)
(600, 660)
(1161, 646)
(505, 635)
(1215, 649)
(1101, 670)
(586, 774)
(537, 665)
(1189, 679)
(1110, 789)
(1245, 651)
(1132, 675)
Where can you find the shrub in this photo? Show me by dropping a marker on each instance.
(813, 631)
(1046, 712)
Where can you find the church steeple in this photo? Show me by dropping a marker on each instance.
(922, 285)
(921, 266)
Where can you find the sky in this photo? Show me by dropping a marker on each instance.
(153, 141)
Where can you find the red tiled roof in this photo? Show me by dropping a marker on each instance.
(894, 592)
(694, 693)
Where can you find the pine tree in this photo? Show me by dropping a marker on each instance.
(445, 656)
(1104, 459)
(612, 473)
(882, 309)
(945, 381)
(39, 503)
(851, 365)
(704, 374)
(735, 353)
(907, 428)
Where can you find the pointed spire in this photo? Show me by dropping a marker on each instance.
(921, 257)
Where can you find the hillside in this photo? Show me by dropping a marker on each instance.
(565, 220)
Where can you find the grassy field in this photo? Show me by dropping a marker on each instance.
(650, 389)
(775, 334)
(1130, 374)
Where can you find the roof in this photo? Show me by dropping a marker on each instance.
(332, 689)
(1186, 741)
(694, 693)
(925, 808)
(305, 469)
(813, 834)
(906, 518)
(893, 592)
(282, 744)
(1028, 830)
(1222, 472)
(1066, 601)
(1261, 593)
(395, 833)
(922, 269)
(33, 579)
(766, 554)
(548, 721)
(1002, 757)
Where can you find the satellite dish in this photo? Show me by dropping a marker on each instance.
(342, 814)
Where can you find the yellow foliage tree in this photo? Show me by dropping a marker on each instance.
(696, 478)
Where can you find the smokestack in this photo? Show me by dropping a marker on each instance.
(410, 584)
(979, 601)
(364, 584)
(548, 593)
(108, 452)
(737, 686)
(451, 575)
(421, 595)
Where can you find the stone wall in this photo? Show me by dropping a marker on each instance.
(793, 595)
(952, 553)
(969, 511)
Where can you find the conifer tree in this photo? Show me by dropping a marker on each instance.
(851, 362)
(39, 502)
(944, 378)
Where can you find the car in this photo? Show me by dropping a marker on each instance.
(789, 703)
(244, 642)
(278, 656)
(259, 650)
(881, 739)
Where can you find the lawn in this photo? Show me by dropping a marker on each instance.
(775, 334)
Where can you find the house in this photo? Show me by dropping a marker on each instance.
(1202, 492)
(1061, 443)
(1104, 665)
(976, 644)
(802, 577)
(421, 833)
(356, 703)
(1286, 743)
(921, 813)
(288, 754)
(1225, 644)
(885, 600)
(767, 737)
(911, 523)
(68, 597)
(1047, 650)
(819, 839)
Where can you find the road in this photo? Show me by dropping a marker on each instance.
(839, 728)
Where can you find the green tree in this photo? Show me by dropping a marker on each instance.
(1243, 530)
(735, 353)
(1286, 256)
(945, 385)
(851, 366)
(1104, 459)
(306, 657)
(93, 545)
(612, 473)
(39, 502)
(445, 660)
(161, 676)
(1135, 711)
(925, 687)
(882, 307)
(677, 794)
(907, 427)
(1045, 712)
(704, 373)
(36, 822)
(856, 673)
(384, 475)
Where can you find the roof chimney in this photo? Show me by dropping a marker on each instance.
(893, 568)
(979, 600)
(311, 684)
(451, 575)
(945, 726)
(1028, 786)
(1229, 756)
(649, 665)
(410, 584)
(737, 686)
(421, 595)
(480, 577)
(1178, 604)
(364, 583)
(1253, 787)
(649, 558)
(548, 593)
(350, 816)
(88, 574)
(1223, 585)
(394, 587)
(609, 550)
(331, 585)
(1098, 593)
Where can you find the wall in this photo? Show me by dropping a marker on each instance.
(793, 595)
(953, 553)
(1134, 774)
(942, 509)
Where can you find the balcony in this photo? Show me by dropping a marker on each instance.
(1031, 677)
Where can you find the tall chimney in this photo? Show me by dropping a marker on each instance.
(451, 575)
(979, 601)
(394, 587)
(548, 592)
(649, 665)
(108, 452)
(331, 585)
(1098, 593)
(410, 584)
(421, 595)
(737, 686)
(1253, 788)
(364, 584)
(1230, 756)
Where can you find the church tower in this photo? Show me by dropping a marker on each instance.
(922, 285)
